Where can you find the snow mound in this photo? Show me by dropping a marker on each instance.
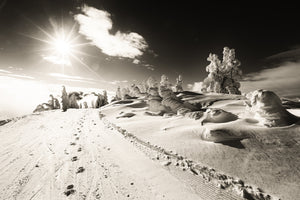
(216, 115)
(269, 110)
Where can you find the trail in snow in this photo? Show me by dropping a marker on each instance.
(56, 155)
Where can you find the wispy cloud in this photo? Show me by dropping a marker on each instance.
(149, 67)
(59, 75)
(5, 71)
(77, 80)
(284, 80)
(22, 76)
(57, 60)
(10, 74)
(65, 77)
(118, 82)
(15, 68)
(95, 25)
(143, 64)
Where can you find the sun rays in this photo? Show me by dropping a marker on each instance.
(62, 46)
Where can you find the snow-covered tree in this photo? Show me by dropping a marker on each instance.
(223, 75)
(65, 99)
(135, 91)
(118, 94)
(125, 93)
(164, 82)
(143, 86)
(179, 82)
(152, 83)
(105, 97)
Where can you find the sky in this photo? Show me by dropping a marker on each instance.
(113, 43)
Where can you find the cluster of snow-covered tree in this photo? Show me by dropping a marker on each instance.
(142, 88)
(223, 77)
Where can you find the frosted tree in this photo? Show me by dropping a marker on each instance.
(165, 87)
(223, 75)
(125, 93)
(179, 82)
(152, 83)
(135, 91)
(164, 82)
(105, 98)
(143, 86)
(65, 99)
(118, 94)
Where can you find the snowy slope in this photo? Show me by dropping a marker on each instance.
(266, 158)
(38, 161)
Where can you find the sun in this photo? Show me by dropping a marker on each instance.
(62, 46)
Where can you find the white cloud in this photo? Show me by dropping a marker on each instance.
(284, 80)
(95, 25)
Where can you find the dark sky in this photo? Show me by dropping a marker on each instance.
(181, 33)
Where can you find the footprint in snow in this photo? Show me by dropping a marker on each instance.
(69, 190)
(80, 170)
(69, 187)
(74, 158)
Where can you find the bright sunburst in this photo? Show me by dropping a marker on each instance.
(62, 46)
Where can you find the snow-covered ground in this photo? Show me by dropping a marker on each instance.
(72, 155)
(267, 159)
(127, 154)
